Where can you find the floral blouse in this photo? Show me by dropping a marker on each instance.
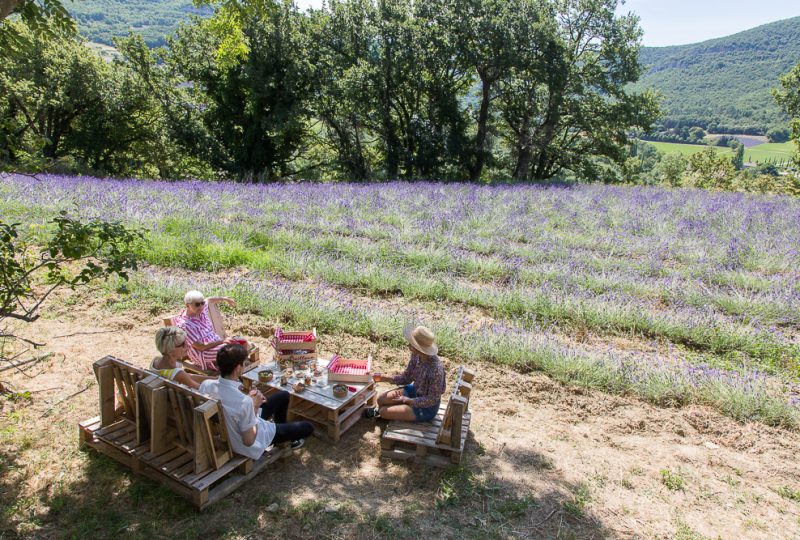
(428, 379)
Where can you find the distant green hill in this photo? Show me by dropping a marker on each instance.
(103, 20)
(724, 84)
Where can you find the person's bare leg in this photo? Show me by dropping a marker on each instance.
(398, 412)
(390, 398)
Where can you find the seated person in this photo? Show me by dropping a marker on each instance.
(204, 342)
(423, 380)
(250, 434)
(171, 343)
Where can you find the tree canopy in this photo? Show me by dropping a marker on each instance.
(361, 89)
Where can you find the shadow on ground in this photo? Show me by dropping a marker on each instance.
(332, 491)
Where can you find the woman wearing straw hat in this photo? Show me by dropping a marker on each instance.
(423, 382)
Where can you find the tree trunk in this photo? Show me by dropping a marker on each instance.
(7, 6)
(522, 169)
(476, 167)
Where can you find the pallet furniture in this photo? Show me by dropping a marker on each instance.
(439, 442)
(332, 415)
(215, 315)
(295, 347)
(169, 433)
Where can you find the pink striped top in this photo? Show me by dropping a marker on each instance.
(198, 329)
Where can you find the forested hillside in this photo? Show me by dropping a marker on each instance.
(103, 20)
(724, 84)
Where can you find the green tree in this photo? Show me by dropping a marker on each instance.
(708, 169)
(488, 38)
(572, 104)
(47, 17)
(250, 77)
(342, 38)
(50, 85)
(738, 155)
(670, 169)
(788, 97)
(65, 252)
(779, 134)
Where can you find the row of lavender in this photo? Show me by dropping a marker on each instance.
(662, 263)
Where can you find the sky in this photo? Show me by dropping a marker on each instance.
(677, 22)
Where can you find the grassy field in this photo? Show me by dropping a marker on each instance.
(637, 351)
(755, 154)
(512, 275)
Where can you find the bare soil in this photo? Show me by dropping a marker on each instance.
(543, 460)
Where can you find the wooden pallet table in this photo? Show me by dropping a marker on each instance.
(439, 442)
(332, 415)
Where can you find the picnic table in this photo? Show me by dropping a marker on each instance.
(332, 415)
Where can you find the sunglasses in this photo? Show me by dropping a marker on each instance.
(198, 304)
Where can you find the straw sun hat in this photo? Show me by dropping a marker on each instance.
(421, 339)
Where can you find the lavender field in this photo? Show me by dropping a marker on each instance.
(678, 296)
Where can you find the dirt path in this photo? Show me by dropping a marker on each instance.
(543, 460)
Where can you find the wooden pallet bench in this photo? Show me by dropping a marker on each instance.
(253, 356)
(175, 435)
(439, 442)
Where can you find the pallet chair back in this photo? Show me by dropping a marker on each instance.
(457, 405)
(116, 381)
(180, 417)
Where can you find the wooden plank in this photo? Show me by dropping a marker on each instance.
(358, 405)
(130, 389)
(458, 405)
(112, 452)
(231, 484)
(161, 437)
(177, 415)
(122, 433)
(204, 456)
(107, 430)
(105, 384)
(126, 405)
(416, 439)
(216, 319)
(176, 463)
(213, 476)
(166, 458)
(352, 420)
(183, 471)
(187, 416)
(404, 454)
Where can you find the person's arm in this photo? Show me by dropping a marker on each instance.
(184, 378)
(403, 378)
(249, 436)
(217, 299)
(248, 426)
(200, 346)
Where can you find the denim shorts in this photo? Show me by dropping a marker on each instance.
(425, 414)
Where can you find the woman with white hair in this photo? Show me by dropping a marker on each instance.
(171, 343)
(203, 341)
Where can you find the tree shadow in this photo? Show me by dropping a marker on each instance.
(332, 491)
